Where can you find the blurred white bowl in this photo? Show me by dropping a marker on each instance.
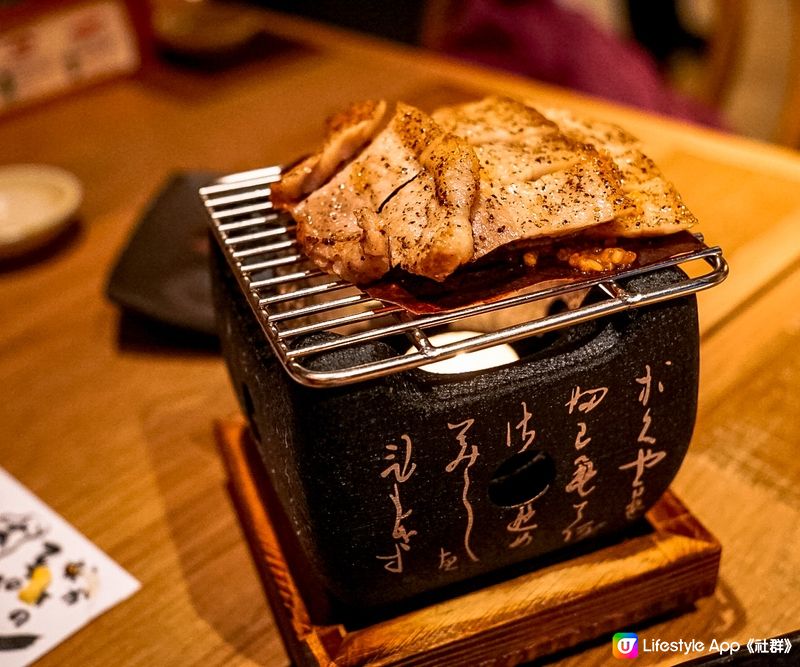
(36, 203)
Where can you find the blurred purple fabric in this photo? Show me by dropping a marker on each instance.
(542, 40)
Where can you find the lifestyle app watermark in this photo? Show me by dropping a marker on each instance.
(627, 646)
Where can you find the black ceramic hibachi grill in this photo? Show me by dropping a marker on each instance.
(396, 480)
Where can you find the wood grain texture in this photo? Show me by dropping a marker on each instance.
(112, 427)
(513, 621)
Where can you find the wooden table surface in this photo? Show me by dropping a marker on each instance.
(117, 437)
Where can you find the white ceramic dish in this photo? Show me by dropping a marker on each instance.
(36, 203)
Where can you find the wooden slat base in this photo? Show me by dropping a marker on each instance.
(537, 613)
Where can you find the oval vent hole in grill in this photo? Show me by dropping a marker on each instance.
(521, 478)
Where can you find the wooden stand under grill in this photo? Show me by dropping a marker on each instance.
(537, 613)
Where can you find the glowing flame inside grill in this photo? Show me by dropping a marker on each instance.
(491, 357)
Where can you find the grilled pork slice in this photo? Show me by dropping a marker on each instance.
(659, 208)
(535, 181)
(429, 194)
(405, 201)
(583, 195)
(347, 132)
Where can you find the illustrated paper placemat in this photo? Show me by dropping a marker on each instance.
(53, 581)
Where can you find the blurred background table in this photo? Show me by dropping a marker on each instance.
(114, 430)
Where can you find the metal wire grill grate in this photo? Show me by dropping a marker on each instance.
(291, 298)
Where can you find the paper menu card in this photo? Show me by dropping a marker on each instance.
(53, 581)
